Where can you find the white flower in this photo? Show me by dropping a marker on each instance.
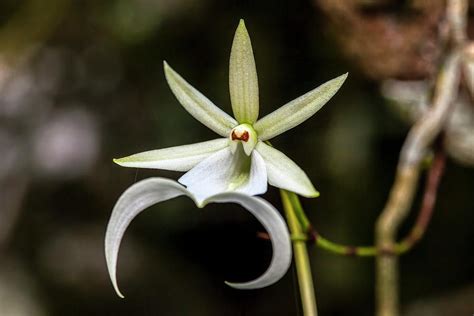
(145, 193)
(241, 161)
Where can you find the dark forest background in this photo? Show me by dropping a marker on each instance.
(81, 82)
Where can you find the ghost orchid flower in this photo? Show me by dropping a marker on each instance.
(147, 192)
(241, 161)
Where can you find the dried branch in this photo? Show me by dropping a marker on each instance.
(401, 196)
(12, 192)
(427, 204)
(420, 137)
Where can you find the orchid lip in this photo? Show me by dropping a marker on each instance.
(151, 191)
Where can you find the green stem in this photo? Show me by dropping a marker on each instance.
(300, 252)
(320, 240)
(429, 197)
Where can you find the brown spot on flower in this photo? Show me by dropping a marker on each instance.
(243, 136)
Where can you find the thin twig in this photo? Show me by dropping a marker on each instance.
(427, 204)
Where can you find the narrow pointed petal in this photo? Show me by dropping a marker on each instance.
(134, 200)
(224, 172)
(243, 81)
(284, 173)
(276, 227)
(179, 158)
(200, 107)
(298, 110)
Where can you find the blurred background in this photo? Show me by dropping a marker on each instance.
(81, 82)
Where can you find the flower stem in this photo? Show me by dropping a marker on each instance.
(303, 267)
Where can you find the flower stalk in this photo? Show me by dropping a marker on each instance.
(300, 252)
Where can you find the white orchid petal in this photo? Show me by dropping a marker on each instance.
(284, 173)
(275, 225)
(243, 81)
(178, 158)
(225, 171)
(298, 110)
(154, 190)
(134, 200)
(200, 107)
